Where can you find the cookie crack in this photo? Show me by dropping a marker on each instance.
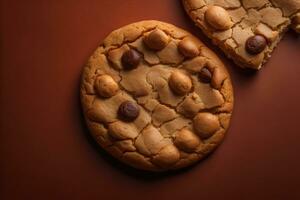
(126, 41)
(274, 5)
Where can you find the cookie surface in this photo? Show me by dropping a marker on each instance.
(246, 30)
(155, 97)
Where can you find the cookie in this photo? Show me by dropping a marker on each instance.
(155, 97)
(246, 30)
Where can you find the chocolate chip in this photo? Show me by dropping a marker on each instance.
(131, 59)
(128, 111)
(256, 44)
(205, 75)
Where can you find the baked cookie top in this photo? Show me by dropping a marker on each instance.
(155, 97)
(246, 30)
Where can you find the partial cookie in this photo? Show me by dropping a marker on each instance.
(246, 30)
(155, 97)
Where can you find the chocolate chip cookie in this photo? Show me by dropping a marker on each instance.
(155, 97)
(246, 30)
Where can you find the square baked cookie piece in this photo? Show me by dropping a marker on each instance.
(246, 30)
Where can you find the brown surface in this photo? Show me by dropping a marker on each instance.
(45, 149)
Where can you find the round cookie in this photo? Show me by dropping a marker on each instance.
(155, 97)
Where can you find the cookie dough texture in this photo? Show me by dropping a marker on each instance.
(230, 23)
(159, 115)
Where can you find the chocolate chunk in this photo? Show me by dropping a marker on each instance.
(186, 140)
(131, 59)
(206, 124)
(156, 40)
(256, 44)
(205, 75)
(167, 156)
(218, 18)
(188, 48)
(128, 111)
(180, 83)
(106, 86)
(296, 23)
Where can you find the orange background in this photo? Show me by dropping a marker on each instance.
(47, 153)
